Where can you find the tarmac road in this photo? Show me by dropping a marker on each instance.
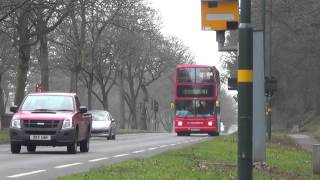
(50, 163)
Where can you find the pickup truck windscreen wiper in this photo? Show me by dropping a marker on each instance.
(64, 110)
(41, 110)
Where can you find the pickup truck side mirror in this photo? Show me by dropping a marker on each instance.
(14, 108)
(83, 109)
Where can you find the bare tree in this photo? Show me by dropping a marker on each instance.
(46, 16)
(7, 63)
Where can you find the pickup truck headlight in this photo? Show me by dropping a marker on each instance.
(15, 123)
(67, 123)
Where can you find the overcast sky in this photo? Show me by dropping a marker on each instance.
(182, 19)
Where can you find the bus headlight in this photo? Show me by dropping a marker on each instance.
(179, 123)
(210, 123)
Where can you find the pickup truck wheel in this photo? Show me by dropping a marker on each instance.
(15, 148)
(31, 148)
(72, 148)
(84, 145)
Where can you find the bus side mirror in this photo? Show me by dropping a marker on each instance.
(172, 106)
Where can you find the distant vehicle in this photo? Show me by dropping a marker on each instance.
(197, 105)
(222, 127)
(103, 125)
(50, 119)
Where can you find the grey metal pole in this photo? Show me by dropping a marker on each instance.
(259, 114)
(316, 158)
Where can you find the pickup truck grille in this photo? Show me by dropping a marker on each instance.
(41, 132)
(40, 123)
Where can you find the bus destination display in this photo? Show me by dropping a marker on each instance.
(191, 91)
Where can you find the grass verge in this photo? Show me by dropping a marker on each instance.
(4, 136)
(214, 159)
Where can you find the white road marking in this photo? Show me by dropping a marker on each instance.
(67, 165)
(153, 148)
(172, 144)
(136, 152)
(98, 159)
(120, 155)
(25, 174)
(162, 146)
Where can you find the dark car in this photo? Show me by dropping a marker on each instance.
(103, 125)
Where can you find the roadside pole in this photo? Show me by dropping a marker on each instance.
(267, 65)
(245, 79)
(259, 108)
(269, 111)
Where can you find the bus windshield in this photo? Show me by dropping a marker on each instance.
(195, 108)
(195, 75)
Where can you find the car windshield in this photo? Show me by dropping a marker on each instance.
(99, 115)
(47, 103)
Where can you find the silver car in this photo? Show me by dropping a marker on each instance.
(103, 125)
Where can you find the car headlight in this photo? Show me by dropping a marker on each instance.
(179, 123)
(210, 123)
(67, 123)
(15, 123)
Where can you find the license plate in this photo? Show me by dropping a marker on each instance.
(195, 130)
(40, 137)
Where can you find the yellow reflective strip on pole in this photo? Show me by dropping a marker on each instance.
(245, 76)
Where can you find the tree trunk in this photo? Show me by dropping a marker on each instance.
(24, 57)
(105, 101)
(44, 62)
(133, 101)
(2, 101)
(74, 78)
(80, 41)
(134, 122)
(143, 123)
(122, 103)
(90, 86)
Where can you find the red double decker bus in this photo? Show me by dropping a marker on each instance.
(197, 108)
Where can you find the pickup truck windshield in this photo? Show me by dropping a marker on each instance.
(47, 103)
